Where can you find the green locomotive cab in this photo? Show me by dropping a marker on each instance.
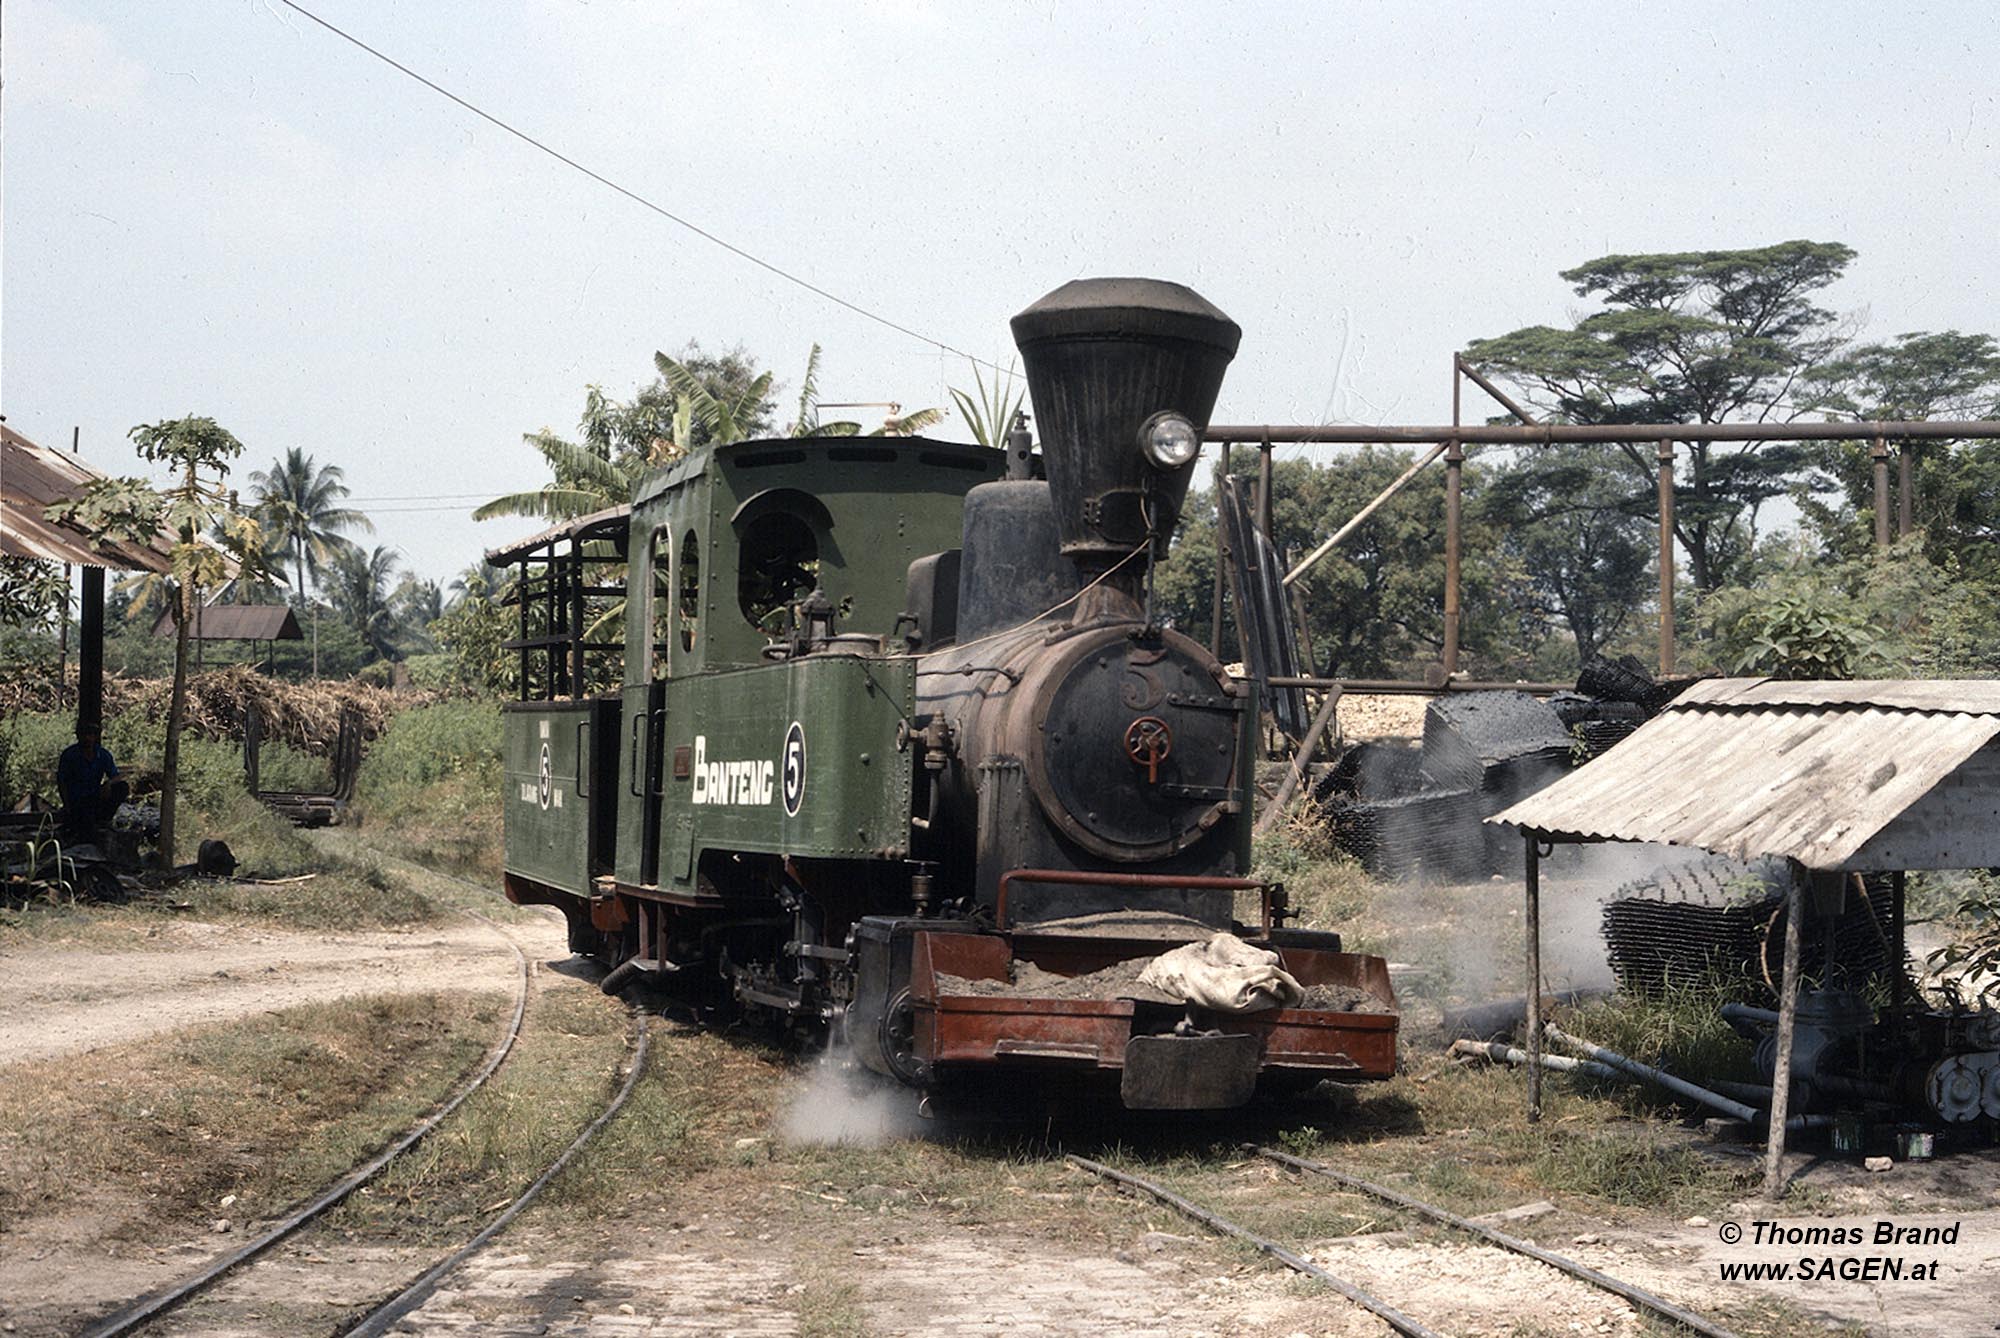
(762, 687)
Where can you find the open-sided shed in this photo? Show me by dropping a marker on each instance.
(1836, 778)
(268, 623)
(32, 477)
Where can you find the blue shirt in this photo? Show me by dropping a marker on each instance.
(79, 773)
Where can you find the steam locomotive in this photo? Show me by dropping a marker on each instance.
(900, 747)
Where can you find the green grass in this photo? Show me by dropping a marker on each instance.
(431, 784)
(1679, 1029)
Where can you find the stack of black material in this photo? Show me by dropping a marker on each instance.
(1612, 698)
(1401, 810)
(1721, 923)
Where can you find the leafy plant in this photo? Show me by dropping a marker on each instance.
(989, 413)
(1804, 635)
(32, 592)
(1975, 956)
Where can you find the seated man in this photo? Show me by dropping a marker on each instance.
(81, 774)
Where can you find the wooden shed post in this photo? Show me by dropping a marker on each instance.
(90, 650)
(1788, 1014)
(1533, 926)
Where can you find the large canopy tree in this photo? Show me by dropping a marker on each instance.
(1690, 337)
(1581, 539)
(1956, 485)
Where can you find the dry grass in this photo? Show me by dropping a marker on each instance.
(304, 715)
(265, 1109)
(559, 1076)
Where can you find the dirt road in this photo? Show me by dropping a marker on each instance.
(66, 1001)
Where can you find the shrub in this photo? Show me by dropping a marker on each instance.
(430, 744)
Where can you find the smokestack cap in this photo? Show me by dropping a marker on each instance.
(1127, 309)
(1104, 357)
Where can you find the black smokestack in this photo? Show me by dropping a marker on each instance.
(1102, 357)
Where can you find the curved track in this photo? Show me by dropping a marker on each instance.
(379, 1320)
(1395, 1319)
(158, 1303)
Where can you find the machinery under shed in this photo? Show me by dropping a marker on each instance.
(1841, 781)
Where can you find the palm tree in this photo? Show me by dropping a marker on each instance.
(298, 502)
(808, 423)
(417, 604)
(360, 594)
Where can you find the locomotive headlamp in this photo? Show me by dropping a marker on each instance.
(1169, 440)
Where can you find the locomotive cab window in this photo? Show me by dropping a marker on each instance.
(778, 563)
(663, 600)
(690, 604)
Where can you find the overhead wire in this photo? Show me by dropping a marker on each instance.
(635, 196)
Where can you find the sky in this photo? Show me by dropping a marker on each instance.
(217, 207)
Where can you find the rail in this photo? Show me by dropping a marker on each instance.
(155, 1304)
(1638, 1296)
(1389, 1315)
(383, 1317)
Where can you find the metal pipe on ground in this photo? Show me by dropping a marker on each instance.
(1501, 1017)
(1667, 1080)
(1507, 1054)
(1693, 1092)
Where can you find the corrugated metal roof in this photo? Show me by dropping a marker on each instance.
(33, 476)
(1755, 767)
(586, 526)
(1974, 696)
(237, 622)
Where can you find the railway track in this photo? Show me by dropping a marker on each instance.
(159, 1303)
(1684, 1319)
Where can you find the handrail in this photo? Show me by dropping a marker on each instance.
(1089, 878)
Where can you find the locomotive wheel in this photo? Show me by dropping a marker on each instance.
(898, 1037)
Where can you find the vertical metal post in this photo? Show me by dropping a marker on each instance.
(1906, 500)
(90, 649)
(1221, 559)
(1880, 454)
(1264, 491)
(1899, 937)
(1788, 1014)
(1533, 927)
(1454, 464)
(577, 604)
(1666, 459)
